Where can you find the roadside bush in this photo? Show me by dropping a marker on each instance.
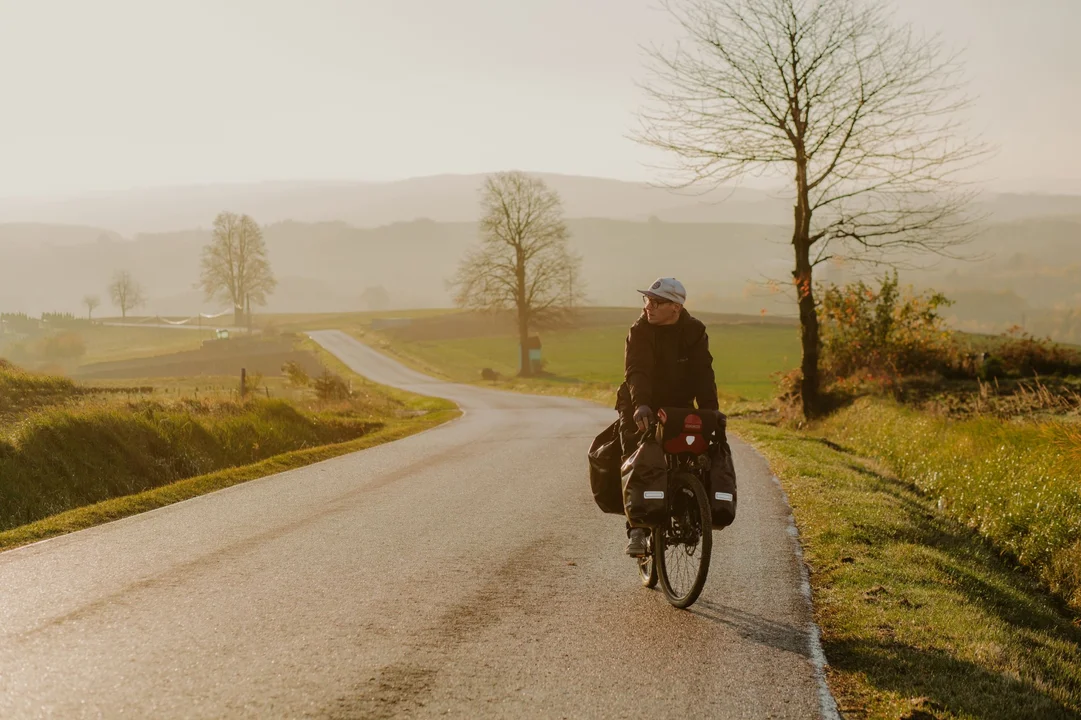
(1025, 355)
(886, 333)
(329, 386)
(298, 377)
(991, 369)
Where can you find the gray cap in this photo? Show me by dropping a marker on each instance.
(667, 289)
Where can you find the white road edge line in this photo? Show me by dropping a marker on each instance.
(826, 703)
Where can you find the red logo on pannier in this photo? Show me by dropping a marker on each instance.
(692, 423)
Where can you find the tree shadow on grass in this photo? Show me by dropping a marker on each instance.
(1032, 675)
(947, 686)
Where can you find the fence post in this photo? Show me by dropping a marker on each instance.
(243, 382)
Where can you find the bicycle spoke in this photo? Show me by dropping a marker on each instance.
(686, 544)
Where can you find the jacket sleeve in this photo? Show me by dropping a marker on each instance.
(638, 365)
(705, 384)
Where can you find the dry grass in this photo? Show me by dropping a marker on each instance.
(116, 508)
(64, 445)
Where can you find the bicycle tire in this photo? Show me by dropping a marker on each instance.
(689, 515)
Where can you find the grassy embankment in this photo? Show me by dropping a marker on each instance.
(72, 455)
(923, 615)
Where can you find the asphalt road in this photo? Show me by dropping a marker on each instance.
(461, 572)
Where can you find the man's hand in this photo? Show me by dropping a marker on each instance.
(642, 417)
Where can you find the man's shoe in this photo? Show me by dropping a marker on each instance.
(636, 544)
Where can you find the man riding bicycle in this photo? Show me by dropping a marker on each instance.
(666, 363)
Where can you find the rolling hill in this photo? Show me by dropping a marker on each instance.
(330, 242)
(442, 198)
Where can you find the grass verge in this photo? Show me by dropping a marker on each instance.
(1014, 482)
(116, 508)
(921, 617)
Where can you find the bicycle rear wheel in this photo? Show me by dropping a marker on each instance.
(683, 546)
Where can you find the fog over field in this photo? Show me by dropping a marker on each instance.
(358, 137)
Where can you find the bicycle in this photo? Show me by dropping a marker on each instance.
(680, 547)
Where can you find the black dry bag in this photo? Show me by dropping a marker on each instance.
(604, 477)
(645, 484)
(722, 480)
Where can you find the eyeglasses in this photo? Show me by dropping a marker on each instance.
(655, 302)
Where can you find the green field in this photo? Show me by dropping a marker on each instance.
(99, 343)
(746, 356)
(586, 361)
(107, 343)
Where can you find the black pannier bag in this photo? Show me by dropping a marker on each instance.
(604, 478)
(645, 484)
(722, 478)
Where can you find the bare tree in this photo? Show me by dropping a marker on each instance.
(523, 262)
(234, 265)
(92, 302)
(864, 113)
(126, 293)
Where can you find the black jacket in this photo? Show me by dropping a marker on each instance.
(667, 365)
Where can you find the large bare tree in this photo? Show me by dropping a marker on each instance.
(523, 263)
(861, 112)
(235, 267)
(126, 293)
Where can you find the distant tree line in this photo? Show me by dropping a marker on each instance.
(234, 269)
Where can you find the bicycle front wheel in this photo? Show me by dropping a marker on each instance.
(683, 546)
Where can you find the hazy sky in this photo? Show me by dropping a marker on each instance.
(121, 93)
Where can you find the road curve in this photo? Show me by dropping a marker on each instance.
(461, 572)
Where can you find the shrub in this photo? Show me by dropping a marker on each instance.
(884, 332)
(1022, 354)
(298, 377)
(329, 386)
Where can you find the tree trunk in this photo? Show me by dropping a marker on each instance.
(523, 338)
(523, 317)
(808, 320)
(238, 316)
(808, 315)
